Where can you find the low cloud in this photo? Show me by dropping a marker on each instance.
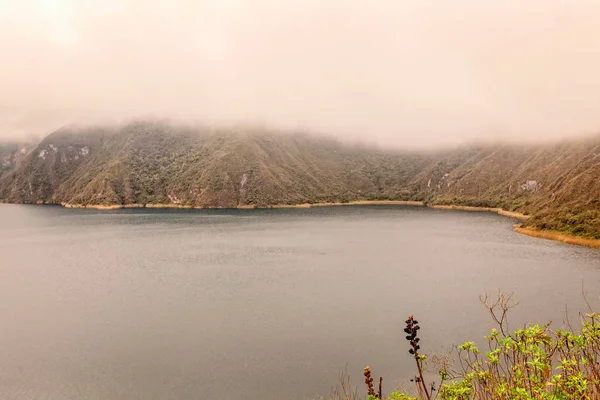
(407, 73)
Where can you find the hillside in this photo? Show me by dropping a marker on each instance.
(152, 162)
(558, 184)
(159, 163)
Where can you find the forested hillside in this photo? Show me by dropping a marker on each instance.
(152, 162)
(558, 184)
(160, 163)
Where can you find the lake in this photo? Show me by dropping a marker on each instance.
(257, 304)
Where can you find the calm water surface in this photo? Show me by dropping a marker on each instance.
(255, 304)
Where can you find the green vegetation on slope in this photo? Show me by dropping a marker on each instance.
(558, 184)
(147, 163)
(160, 163)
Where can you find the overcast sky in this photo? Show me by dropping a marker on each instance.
(396, 72)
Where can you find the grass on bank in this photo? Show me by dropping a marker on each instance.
(532, 363)
(558, 236)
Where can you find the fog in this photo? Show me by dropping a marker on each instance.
(405, 73)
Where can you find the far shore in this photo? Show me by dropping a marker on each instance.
(542, 234)
(500, 211)
(243, 206)
(558, 236)
(537, 233)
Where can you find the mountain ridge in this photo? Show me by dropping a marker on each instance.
(150, 163)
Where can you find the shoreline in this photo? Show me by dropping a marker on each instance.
(558, 236)
(498, 211)
(532, 232)
(241, 207)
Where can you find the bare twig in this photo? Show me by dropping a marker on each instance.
(499, 308)
(344, 390)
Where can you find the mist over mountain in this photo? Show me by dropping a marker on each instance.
(14, 152)
(400, 74)
(150, 162)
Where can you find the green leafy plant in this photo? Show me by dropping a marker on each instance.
(529, 363)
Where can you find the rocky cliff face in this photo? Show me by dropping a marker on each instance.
(148, 163)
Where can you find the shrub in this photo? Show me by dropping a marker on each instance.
(532, 363)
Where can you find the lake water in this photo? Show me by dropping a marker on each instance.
(256, 304)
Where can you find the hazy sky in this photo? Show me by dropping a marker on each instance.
(399, 72)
